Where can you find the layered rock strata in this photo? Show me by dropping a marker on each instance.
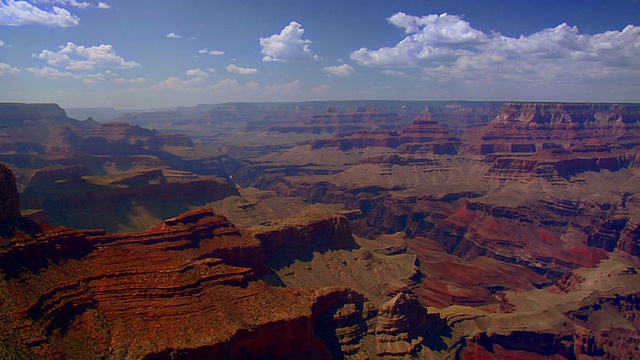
(186, 288)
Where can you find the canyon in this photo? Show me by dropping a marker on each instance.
(321, 230)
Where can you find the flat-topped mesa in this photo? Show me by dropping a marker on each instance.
(311, 230)
(431, 137)
(423, 130)
(16, 113)
(123, 133)
(9, 198)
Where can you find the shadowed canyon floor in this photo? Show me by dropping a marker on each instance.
(480, 231)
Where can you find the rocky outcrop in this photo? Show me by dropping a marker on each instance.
(630, 237)
(106, 138)
(555, 140)
(312, 230)
(189, 288)
(400, 327)
(9, 197)
(617, 233)
(16, 113)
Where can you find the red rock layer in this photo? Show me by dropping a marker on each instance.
(425, 131)
(554, 140)
(185, 288)
(313, 229)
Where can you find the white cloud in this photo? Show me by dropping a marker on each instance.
(557, 63)
(119, 80)
(212, 70)
(49, 72)
(1, 43)
(288, 45)
(449, 43)
(16, 13)
(289, 89)
(102, 5)
(74, 3)
(212, 52)
(173, 35)
(393, 73)
(74, 57)
(197, 72)
(320, 89)
(238, 70)
(341, 70)
(6, 69)
(90, 78)
(177, 84)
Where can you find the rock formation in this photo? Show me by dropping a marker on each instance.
(516, 225)
(9, 197)
(188, 287)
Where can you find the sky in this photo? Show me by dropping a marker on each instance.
(139, 54)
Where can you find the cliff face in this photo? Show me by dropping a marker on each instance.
(14, 113)
(8, 195)
(557, 140)
(296, 236)
(425, 131)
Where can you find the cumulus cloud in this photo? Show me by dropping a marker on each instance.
(1, 43)
(75, 57)
(6, 69)
(173, 35)
(203, 51)
(49, 72)
(341, 70)
(238, 70)
(444, 45)
(102, 5)
(197, 72)
(17, 13)
(560, 63)
(288, 45)
(74, 3)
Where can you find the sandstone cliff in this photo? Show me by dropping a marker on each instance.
(187, 288)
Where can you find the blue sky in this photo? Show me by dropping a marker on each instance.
(142, 54)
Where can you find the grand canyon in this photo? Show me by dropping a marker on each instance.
(321, 230)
